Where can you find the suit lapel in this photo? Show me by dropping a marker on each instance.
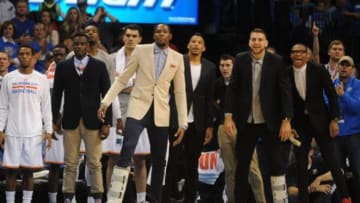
(248, 71)
(308, 80)
(202, 74)
(188, 79)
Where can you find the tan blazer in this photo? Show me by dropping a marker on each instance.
(148, 90)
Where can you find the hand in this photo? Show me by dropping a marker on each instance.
(48, 138)
(104, 132)
(2, 139)
(325, 188)
(315, 183)
(119, 127)
(101, 113)
(333, 128)
(229, 126)
(285, 130)
(180, 135)
(56, 128)
(315, 30)
(208, 135)
(339, 89)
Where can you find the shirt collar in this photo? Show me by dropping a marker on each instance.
(158, 50)
(6, 40)
(84, 61)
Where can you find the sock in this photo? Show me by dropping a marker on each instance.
(52, 197)
(141, 196)
(10, 196)
(90, 199)
(97, 200)
(27, 196)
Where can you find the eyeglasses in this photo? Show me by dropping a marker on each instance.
(298, 51)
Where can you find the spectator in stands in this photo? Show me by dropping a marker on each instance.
(336, 50)
(72, 23)
(347, 143)
(41, 46)
(24, 26)
(53, 8)
(51, 29)
(8, 44)
(85, 16)
(107, 30)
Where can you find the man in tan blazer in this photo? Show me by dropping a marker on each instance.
(156, 67)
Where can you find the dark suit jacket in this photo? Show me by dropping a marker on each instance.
(275, 92)
(318, 81)
(82, 94)
(201, 97)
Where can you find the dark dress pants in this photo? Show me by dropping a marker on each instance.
(306, 132)
(158, 137)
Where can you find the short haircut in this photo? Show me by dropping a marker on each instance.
(259, 30)
(227, 57)
(26, 46)
(7, 54)
(132, 27)
(22, 1)
(335, 42)
(61, 46)
(80, 34)
(162, 24)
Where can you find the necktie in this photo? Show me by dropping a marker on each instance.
(80, 68)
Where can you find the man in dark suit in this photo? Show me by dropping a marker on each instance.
(312, 118)
(258, 103)
(200, 76)
(84, 81)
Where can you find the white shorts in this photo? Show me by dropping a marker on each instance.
(55, 154)
(143, 145)
(113, 143)
(24, 152)
(82, 147)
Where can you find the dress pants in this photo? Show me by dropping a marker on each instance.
(306, 132)
(158, 137)
(72, 140)
(246, 141)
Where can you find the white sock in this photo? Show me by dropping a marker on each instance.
(10, 196)
(52, 197)
(90, 199)
(141, 196)
(27, 196)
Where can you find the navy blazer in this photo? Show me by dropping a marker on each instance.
(82, 94)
